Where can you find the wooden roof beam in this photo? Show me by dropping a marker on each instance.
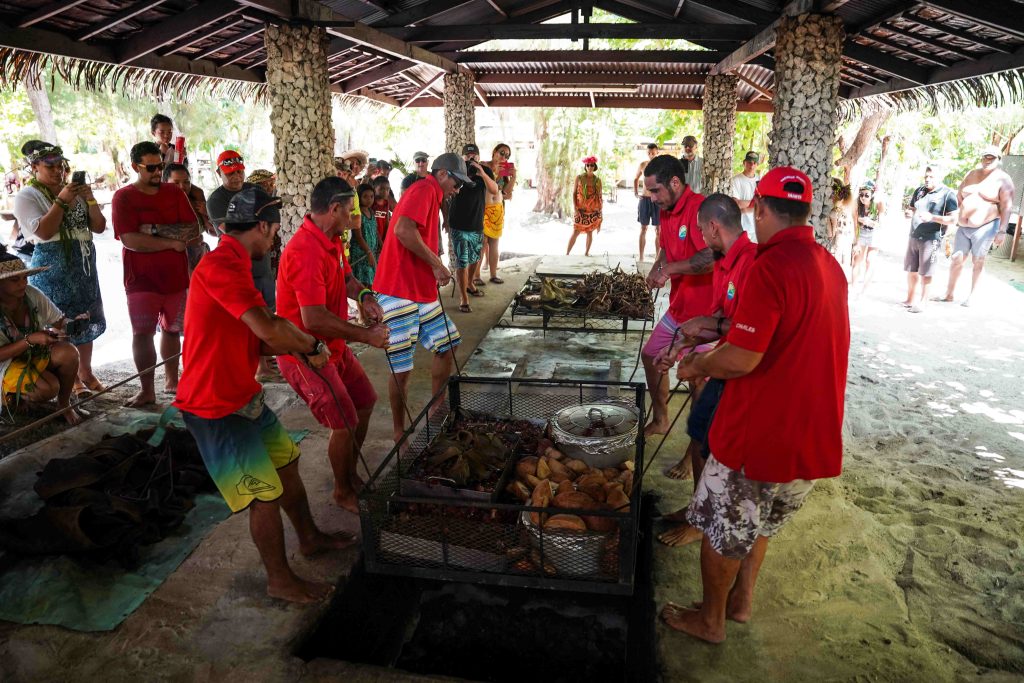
(48, 11)
(526, 31)
(922, 40)
(758, 88)
(882, 61)
(174, 28)
(239, 37)
(905, 49)
(421, 90)
(368, 94)
(614, 102)
(378, 74)
(958, 33)
(420, 13)
(591, 78)
(201, 36)
(584, 56)
(761, 43)
(989, 64)
(1003, 17)
(129, 12)
(737, 10)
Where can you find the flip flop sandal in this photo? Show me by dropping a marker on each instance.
(479, 283)
(465, 308)
(84, 392)
(475, 292)
(497, 281)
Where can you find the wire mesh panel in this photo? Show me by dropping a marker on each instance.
(449, 536)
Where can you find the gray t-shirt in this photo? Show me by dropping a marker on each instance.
(695, 174)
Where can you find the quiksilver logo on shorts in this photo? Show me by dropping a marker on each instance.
(249, 485)
(746, 328)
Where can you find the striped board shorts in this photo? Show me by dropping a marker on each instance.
(410, 322)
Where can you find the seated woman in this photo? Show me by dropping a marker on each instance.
(35, 365)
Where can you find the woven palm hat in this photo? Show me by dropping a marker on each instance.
(12, 266)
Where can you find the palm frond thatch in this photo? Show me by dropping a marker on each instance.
(134, 82)
(991, 90)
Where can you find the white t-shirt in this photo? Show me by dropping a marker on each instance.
(743, 188)
(695, 173)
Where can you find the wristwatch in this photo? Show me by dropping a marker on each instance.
(318, 348)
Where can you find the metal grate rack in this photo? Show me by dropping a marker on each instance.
(572, 319)
(478, 541)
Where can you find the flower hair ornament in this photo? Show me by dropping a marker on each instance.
(587, 161)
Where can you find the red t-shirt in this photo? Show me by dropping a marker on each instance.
(164, 271)
(382, 213)
(400, 273)
(784, 420)
(730, 274)
(681, 239)
(220, 352)
(312, 272)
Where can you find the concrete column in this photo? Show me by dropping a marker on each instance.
(459, 111)
(300, 116)
(719, 132)
(808, 58)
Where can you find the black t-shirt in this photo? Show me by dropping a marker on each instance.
(408, 180)
(941, 201)
(467, 208)
(217, 209)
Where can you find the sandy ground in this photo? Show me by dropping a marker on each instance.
(906, 568)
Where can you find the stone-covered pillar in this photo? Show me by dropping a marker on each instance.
(808, 58)
(719, 132)
(459, 111)
(300, 116)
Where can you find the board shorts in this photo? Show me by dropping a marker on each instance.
(22, 374)
(921, 256)
(467, 247)
(698, 423)
(243, 454)
(410, 322)
(647, 212)
(494, 220)
(733, 511)
(663, 334)
(975, 241)
(334, 393)
(146, 310)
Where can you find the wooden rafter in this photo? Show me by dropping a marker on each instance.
(481, 95)
(942, 46)
(529, 31)
(958, 33)
(737, 10)
(237, 38)
(174, 28)
(760, 43)
(584, 56)
(615, 102)
(422, 89)
(905, 49)
(420, 13)
(198, 37)
(886, 63)
(48, 11)
(132, 10)
(592, 78)
(1003, 17)
(758, 88)
(378, 74)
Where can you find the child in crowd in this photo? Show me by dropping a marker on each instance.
(383, 203)
(365, 245)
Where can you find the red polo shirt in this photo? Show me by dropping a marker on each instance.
(399, 272)
(681, 239)
(784, 420)
(730, 275)
(164, 272)
(220, 352)
(312, 273)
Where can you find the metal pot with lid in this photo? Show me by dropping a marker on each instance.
(599, 434)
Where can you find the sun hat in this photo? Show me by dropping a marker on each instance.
(12, 266)
(453, 163)
(364, 157)
(992, 151)
(774, 182)
(260, 175)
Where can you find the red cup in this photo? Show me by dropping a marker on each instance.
(179, 145)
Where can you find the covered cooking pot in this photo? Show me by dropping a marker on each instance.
(599, 434)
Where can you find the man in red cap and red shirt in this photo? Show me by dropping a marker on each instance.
(778, 426)
(686, 260)
(314, 284)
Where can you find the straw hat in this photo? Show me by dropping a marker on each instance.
(364, 157)
(12, 266)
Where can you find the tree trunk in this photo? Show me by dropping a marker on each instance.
(549, 189)
(40, 102)
(861, 141)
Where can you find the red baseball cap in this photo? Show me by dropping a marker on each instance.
(773, 184)
(230, 161)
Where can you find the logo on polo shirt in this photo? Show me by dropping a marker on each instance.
(730, 293)
(682, 232)
(745, 328)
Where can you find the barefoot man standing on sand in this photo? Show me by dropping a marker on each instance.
(686, 260)
(314, 284)
(985, 198)
(778, 426)
(249, 455)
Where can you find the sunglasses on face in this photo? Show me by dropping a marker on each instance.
(421, 161)
(505, 154)
(153, 168)
(458, 183)
(228, 163)
(865, 194)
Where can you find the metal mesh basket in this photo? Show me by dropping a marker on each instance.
(480, 541)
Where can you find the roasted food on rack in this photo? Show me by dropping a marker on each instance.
(613, 292)
(467, 459)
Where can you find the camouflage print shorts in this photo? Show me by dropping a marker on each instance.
(733, 511)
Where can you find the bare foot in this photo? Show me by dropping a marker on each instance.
(677, 516)
(681, 470)
(356, 482)
(691, 622)
(92, 382)
(171, 389)
(141, 400)
(906, 304)
(72, 416)
(943, 299)
(346, 500)
(300, 591)
(740, 613)
(677, 537)
(656, 427)
(322, 543)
